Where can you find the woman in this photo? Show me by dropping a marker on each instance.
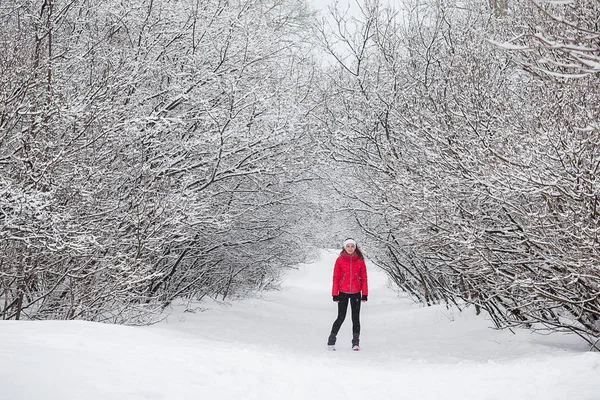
(349, 285)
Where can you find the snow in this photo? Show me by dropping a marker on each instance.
(509, 45)
(274, 347)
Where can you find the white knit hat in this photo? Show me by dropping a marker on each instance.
(349, 241)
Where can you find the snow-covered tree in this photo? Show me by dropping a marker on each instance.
(472, 178)
(149, 152)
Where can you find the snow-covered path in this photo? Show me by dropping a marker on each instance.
(274, 348)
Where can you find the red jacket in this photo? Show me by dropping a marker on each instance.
(349, 275)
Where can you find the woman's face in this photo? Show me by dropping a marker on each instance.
(349, 248)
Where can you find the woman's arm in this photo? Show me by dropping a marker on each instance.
(364, 280)
(335, 288)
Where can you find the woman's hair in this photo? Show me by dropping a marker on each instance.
(356, 250)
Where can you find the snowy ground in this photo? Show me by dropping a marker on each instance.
(274, 348)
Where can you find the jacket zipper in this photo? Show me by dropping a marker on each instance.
(350, 274)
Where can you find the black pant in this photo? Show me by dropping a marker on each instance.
(354, 299)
